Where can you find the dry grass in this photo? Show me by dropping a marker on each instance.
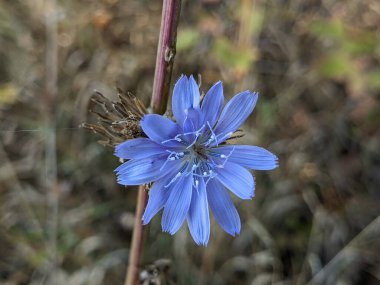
(314, 220)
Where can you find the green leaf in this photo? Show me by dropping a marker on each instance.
(335, 65)
(374, 79)
(228, 54)
(361, 42)
(187, 38)
(333, 29)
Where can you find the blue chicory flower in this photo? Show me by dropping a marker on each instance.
(190, 163)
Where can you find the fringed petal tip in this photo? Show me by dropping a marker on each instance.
(223, 208)
(198, 218)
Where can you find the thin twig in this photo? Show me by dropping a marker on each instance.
(161, 86)
(50, 102)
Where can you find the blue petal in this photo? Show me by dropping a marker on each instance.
(141, 171)
(178, 204)
(194, 91)
(159, 128)
(235, 113)
(138, 148)
(198, 218)
(252, 157)
(193, 120)
(223, 208)
(158, 195)
(237, 179)
(185, 96)
(213, 103)
(182, 99)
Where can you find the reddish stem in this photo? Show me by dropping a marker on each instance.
(165, 55)
(161, 87)
(137, 240)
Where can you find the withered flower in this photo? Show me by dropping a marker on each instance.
(117, 121)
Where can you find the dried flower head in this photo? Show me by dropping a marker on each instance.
(117, 121)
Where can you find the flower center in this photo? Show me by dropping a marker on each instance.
(200, 151)
(195, 150)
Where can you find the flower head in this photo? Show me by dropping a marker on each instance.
(190, 163)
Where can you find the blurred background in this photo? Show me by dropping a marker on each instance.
(314, 220)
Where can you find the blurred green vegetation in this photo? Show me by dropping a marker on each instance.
(316, 64)
(349, 50)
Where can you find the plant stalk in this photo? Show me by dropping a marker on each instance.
(165, 55)
(162, 77)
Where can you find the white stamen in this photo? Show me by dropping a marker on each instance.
(174, 179)
(171, 157)
(225, 157)
(197, 134)
(213, 136)
(176, 138)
